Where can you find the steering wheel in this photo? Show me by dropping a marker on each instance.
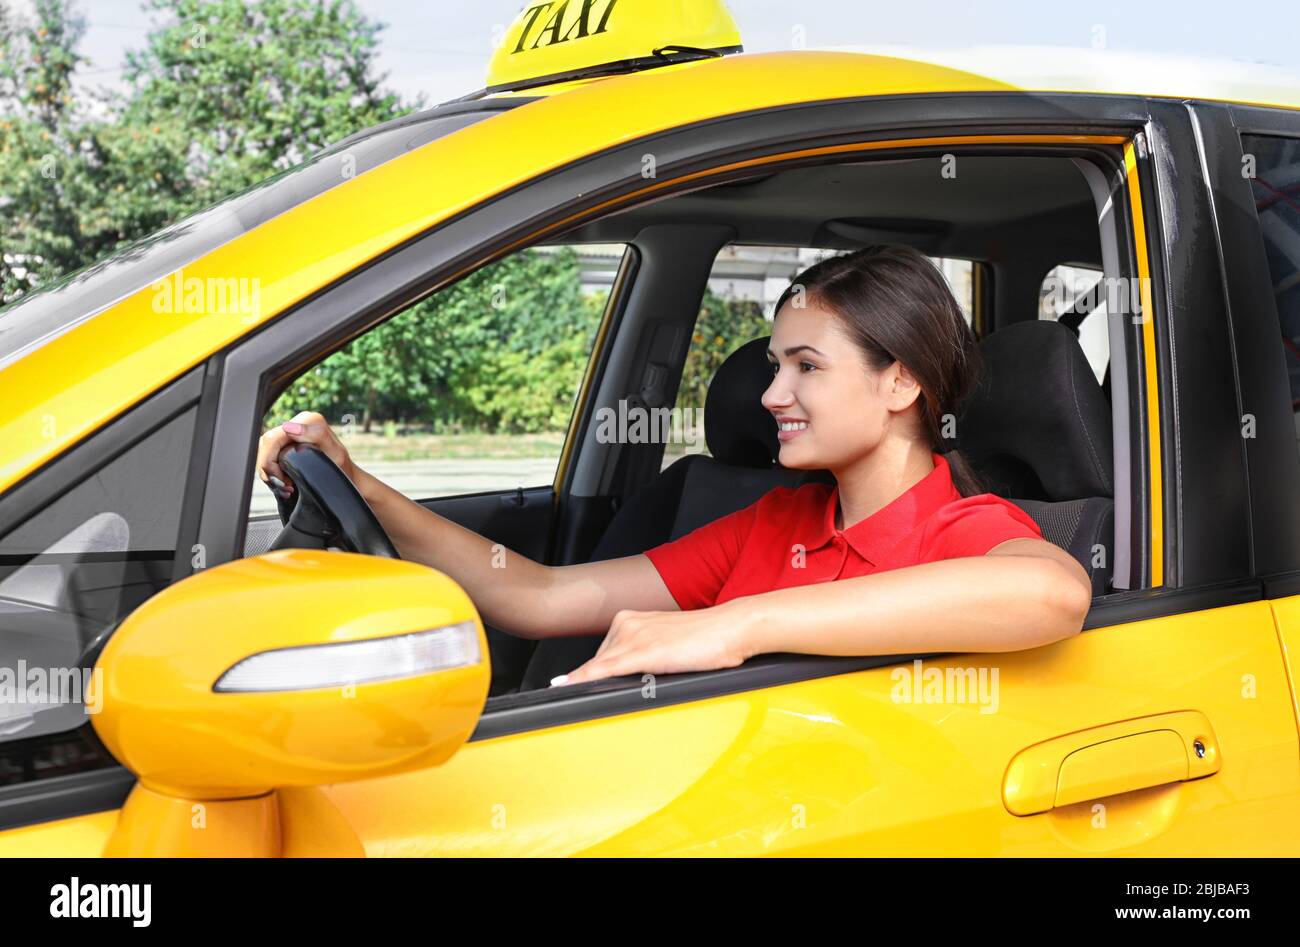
(326, 509)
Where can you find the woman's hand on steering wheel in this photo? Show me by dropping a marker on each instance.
(307, 427)
(326, 507)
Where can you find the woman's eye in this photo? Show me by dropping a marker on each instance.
(807, 365)
(774, 366)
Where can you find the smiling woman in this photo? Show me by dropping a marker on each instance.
(871, 355)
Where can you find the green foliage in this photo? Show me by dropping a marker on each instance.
(251, 89)
(223, 95)
(501, 350)
(68, 194)
(723, 325)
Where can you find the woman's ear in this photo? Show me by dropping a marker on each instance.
(901, 387)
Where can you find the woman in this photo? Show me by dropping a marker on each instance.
(870, 355)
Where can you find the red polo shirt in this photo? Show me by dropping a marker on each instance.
(788, 537)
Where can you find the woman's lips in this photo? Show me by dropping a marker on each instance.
(784, 435)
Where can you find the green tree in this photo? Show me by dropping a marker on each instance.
(245, 90)
(223, 95)
(71, 190)
(500, 350)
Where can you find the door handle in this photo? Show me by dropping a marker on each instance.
(1102, 761)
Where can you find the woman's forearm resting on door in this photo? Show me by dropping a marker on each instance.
(974, 603)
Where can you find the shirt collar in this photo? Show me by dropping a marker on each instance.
(880, 532)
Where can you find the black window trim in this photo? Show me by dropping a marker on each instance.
(1271, 461)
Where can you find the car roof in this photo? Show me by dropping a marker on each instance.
(1046, 68)
(1042, 68)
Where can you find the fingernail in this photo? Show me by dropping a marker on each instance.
(292, 427)
(277, 482)
(558, 681)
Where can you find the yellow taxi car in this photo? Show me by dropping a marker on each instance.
(326, 698)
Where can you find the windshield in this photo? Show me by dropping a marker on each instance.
(40, 316)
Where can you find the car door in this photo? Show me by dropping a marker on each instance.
(1135, 721)
(821, 755)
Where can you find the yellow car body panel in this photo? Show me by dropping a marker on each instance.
(847, 765)
(1286, 615)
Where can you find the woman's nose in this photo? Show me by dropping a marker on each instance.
(776, 395)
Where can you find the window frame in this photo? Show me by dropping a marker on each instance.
(537, 211)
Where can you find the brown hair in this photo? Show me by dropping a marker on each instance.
(897, 306)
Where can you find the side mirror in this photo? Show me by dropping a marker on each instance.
(297, 668)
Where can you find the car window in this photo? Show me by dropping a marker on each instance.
(470, 390)
(743, 288)
(1275, 163)
(53, 310)
(69, 572)
(1069, 294)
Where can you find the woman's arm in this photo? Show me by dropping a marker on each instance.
(511, 592)
(1023, 594)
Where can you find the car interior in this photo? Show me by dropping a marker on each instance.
(1039, 429)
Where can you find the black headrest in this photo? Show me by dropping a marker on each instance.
(737, 428)
(1038, 427)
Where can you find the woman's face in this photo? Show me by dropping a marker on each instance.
(831, 408)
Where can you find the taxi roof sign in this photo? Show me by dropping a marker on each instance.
(562, 40)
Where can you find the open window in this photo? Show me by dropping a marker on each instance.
(1013, 210)
(469, 391)
(1047, 436)
(710, 264)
